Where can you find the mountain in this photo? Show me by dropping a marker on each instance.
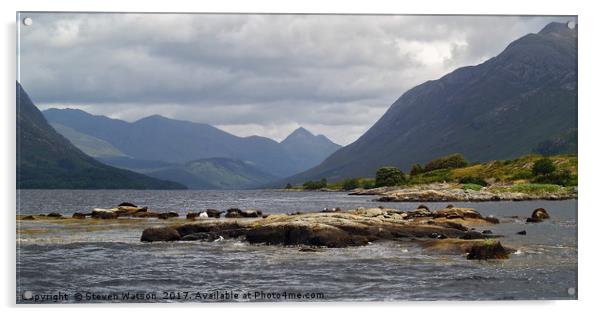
(159, 138)
(503, 108)
(308, 150)
(47, 160)
(214, 173)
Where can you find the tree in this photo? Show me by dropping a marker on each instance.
(416, 169)
(388, 176)
(543, 167)
(446, 162)
(315, 185)
(350, 184)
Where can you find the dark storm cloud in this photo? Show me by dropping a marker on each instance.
(252, 74)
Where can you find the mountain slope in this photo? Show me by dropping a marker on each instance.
(90, 145)
(46, 160)
(162, 139)
(308, 150)
(500, 109)
(214, 173)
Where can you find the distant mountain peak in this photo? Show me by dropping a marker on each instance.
(559, 28)
(154, 117)
(301, 131)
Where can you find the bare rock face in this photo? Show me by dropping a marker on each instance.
(160, 234)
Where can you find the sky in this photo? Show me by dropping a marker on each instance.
(263, 75)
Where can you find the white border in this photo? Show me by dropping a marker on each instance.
(589, 153)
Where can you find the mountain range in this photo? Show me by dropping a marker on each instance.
(47, 160)
(524, 100)
(198, 155)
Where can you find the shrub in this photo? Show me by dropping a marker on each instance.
(562, 177)
(416, 169)
(474, 180)
(367, 184)
(451, 161)
(350, 184)
(315, 185)
(543, 166)
(536, 188)
(388, 177)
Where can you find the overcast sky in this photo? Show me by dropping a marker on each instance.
(252, 74)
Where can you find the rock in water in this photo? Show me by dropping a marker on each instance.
(128, 204)
(168, 215)
(192, 215)
(522, 232)
(28, 218)
(55, 215)
(540, 213)
(213, 213)
(160, 234)
(79, 216)
(487, 250)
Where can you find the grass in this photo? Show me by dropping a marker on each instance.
(535, 188)
(471, 186)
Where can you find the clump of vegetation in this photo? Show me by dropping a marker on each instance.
(315, 185)
(535, 188)
(367, 184)
(543, 167)
(446, 162)
(472, 186)
(440, 175)
(388, 177)
(288, 186)
(416, 170)
(350, 184)
(473, 180)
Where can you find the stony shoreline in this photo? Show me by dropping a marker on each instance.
(449, 193)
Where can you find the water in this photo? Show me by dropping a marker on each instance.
(112, 260)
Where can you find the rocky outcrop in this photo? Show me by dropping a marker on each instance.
(168, 215)
(213, 213)
(488, 250)
(238, 213)
(333, 229)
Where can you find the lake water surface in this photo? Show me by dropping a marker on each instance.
(113, 261)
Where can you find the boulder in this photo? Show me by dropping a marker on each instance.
(422, 207)
(300, 233)
(233, 213)
(522, 232)
(79, 215)
(168, 215)
(213, 213)
(160, 234)
(192, 215)
(201, 237)
(251, 213)
(128, 204)
(487, 250)
(55, 215)
(491, 219)
(28, 218)
(472, 235)
(98, 214)
(487, 232)
(540, 213)
(146, 214)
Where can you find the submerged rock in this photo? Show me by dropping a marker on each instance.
(160, 234)
(201, 237)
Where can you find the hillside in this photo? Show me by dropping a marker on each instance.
(47, 160)
(522, 101)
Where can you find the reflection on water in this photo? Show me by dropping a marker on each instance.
(79, 258)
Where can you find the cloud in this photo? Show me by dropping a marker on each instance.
(252, 74)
